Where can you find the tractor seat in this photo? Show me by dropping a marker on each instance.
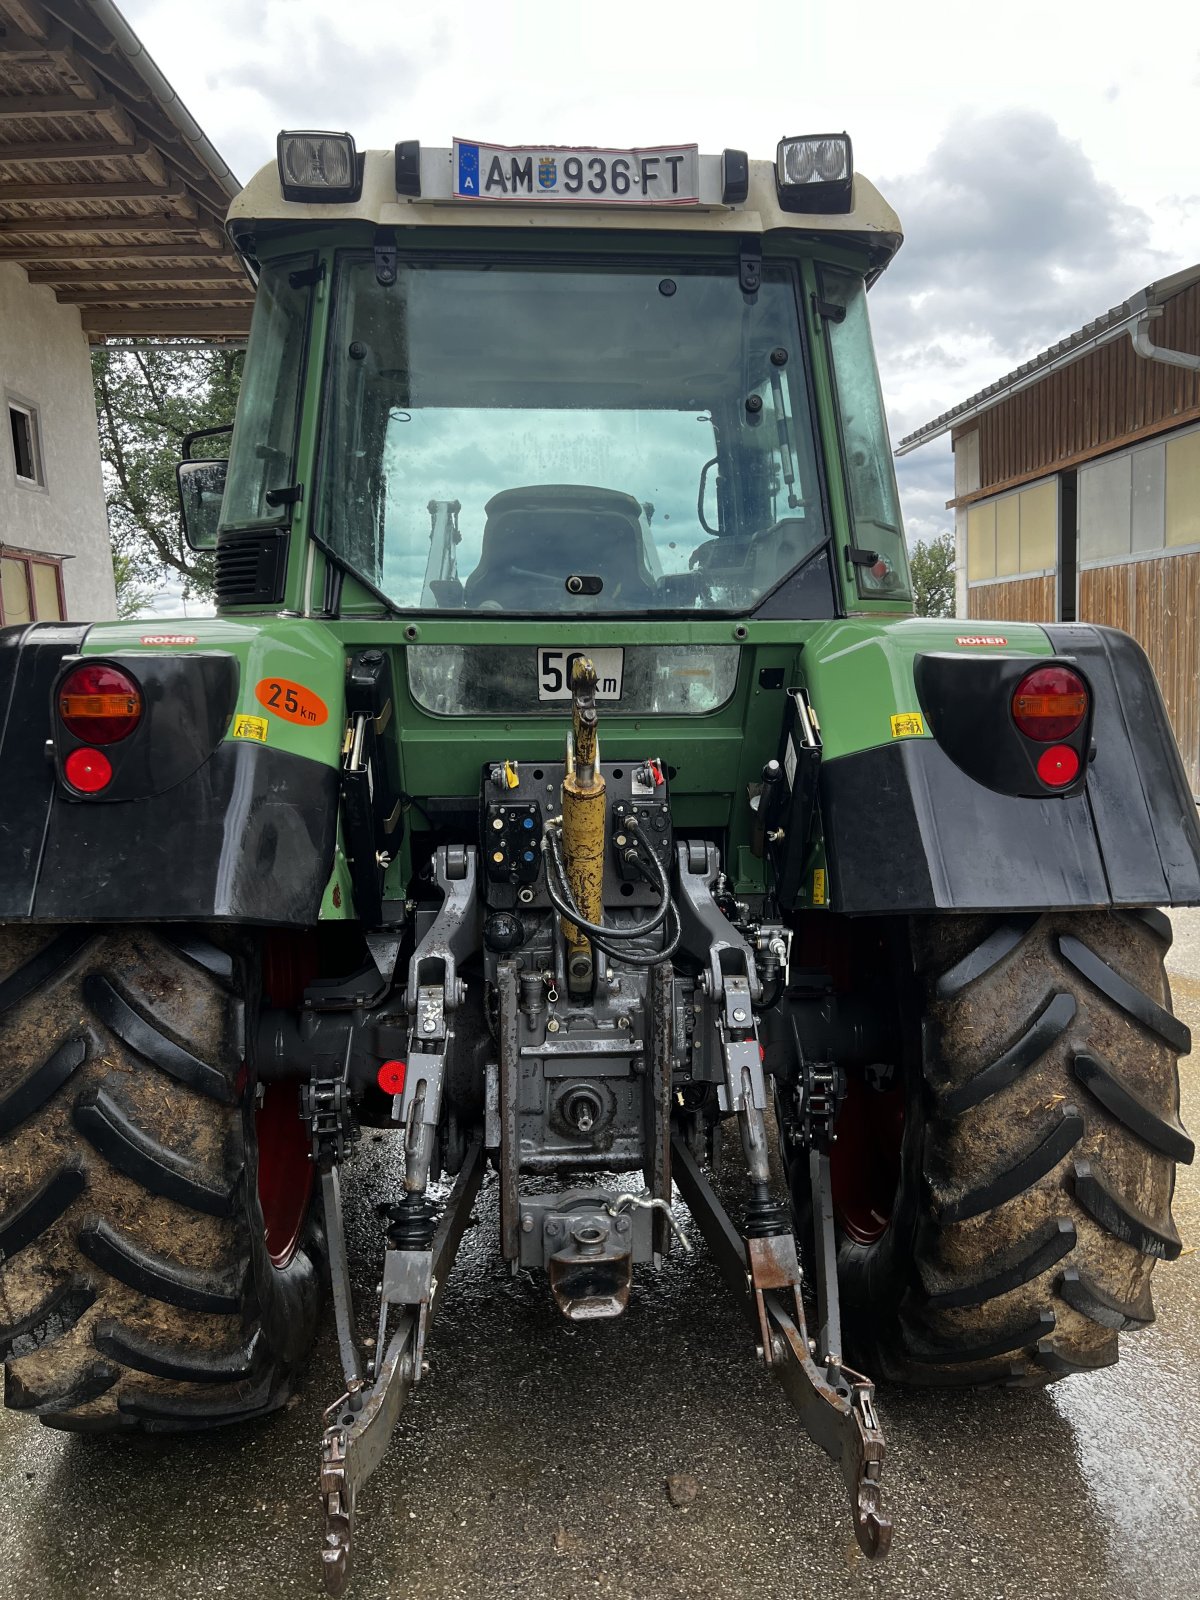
(548, 531)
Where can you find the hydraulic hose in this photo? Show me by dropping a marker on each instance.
(605, 936)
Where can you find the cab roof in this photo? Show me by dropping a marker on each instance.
(870, 222)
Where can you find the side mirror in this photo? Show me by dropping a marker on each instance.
(201, 491)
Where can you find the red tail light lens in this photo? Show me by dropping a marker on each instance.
(89, 771)
(99, 704)
(1049, 704)
(1058, 766)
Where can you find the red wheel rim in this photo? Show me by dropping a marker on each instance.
(864, 1161)
(285, 1168)
(285, 1172)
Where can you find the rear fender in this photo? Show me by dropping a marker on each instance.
(915, 824)
(223, 803)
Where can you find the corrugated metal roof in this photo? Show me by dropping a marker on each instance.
(1111, 325)
(110, 194)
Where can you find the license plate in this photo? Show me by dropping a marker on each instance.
(665, 175)
(554, 672)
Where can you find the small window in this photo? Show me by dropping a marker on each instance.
(26, 444)
(30, 588)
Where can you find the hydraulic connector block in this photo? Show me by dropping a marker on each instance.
(583, 814)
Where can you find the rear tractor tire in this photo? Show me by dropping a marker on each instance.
(1037, 1159)
(140, 1286)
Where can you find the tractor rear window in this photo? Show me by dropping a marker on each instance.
(582, 440)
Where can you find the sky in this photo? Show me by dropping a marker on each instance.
(1042, 156)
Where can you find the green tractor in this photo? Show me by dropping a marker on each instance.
(564, 776)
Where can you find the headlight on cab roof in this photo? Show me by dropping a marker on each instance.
(319, 166)
(815, 172)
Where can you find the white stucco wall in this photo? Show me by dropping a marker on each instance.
(44, 361)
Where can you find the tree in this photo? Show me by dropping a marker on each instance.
(132, 597)
(933, 576)
(148, 396)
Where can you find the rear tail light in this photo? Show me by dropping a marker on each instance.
(89, 771)
(1049, 705)
(99, 704)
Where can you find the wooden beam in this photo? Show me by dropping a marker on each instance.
(41, 150)
(116, 252)
(43, 225)
(203, 272)
(52, 105)
(21, 46)
(180, 323)
(234, 293)
(109, 189)
(29, 16)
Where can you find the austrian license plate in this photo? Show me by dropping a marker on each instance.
(666, 175)
(554, 672)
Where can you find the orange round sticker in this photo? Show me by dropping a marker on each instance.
(291, 701)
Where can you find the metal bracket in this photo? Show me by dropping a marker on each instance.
(836, 1405)
(706, 933)
(455, 932)
(750, 265)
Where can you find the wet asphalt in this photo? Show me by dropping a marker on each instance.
(533, 1462)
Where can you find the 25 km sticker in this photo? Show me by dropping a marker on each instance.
(554, 672)
(291, 701)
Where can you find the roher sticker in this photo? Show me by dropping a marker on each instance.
(908, 725)
(981, 638)
(291, 701)
(168, 638)
(818, 894)
(250, 728)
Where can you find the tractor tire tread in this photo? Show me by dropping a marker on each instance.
(56, 1315)
(1038, 1155)
(155, 1276)
(1164, 1134)
(110, 1128)
(32, 1093)
(136, 1288)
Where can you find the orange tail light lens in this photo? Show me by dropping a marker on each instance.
(1050, 703)
(99, 703)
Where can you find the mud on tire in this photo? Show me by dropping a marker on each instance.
(136, 1290)
(1039, 1151)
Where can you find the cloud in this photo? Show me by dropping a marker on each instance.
(1012, 241)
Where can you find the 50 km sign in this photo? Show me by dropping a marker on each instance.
(554, 672)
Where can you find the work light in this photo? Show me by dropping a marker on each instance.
(319, 166)
(815, 172)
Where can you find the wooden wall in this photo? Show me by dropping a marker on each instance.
(1018, 600)
(1106, 398)
(1158, 602)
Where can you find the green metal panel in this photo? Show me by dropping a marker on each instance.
(269, 650)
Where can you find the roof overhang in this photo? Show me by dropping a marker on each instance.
(1119, 322)
(110, 193)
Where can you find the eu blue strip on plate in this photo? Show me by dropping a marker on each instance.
(468, 169)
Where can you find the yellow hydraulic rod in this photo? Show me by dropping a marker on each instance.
(583, 812)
